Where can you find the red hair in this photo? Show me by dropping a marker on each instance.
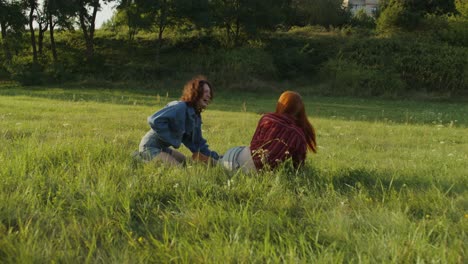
(291, 103)
(193, 91)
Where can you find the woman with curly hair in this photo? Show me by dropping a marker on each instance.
(179, 122)
(279, 136)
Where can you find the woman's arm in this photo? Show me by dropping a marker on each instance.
(196, 143)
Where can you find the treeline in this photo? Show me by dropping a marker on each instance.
(405, 46)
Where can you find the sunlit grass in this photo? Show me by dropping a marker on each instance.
(389, 184)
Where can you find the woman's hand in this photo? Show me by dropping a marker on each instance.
(199, 157)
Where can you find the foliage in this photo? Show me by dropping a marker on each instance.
(363, 20)
(450, 29)
(422, 7)
(242, 20)
(26, 72)
(4, 74)
(248, 45)
(246, 64)
(295, 56)
(61, 12)
(197, 13)
(462, 7)
(328, 13)
(86, 12)
(419, 66)
(407, 15)
(396, 17)
(347, 77)
(12, 21)
(129, 18)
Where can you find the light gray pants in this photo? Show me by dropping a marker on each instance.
(238, 158)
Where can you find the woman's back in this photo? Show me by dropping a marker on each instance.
(276, 139)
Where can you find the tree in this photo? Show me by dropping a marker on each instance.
(462, 7)
(246, 18)
(432, 6)
(150, 14)
(131, 15)
(88, 23)
(362, 19)
(398, 15)
(197, 12)
(87, 11)
(319, 12)
(32, 6)
(58, 12)
(43, 24)
(162, 11)
(419, 8)
(12, 21)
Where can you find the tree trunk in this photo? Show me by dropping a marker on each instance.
(52, 40)
(158, 50)
(228, 33)
(237, 34)
(89, 32)
(4, 41)
(237, 24)
(162, 26)
(40, 40)
(33, 37)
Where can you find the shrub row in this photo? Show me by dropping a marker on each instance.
(348, 65)
(380, 66)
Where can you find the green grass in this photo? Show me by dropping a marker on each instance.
(389, 183)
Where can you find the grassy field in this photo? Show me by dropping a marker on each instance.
(389, 184)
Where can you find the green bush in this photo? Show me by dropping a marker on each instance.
(399, 64)
(363, 20)
(346, 77)
(230, 68)
(396, 17)
(295, 57)
(24, 71)
(242, 68)
(137, 71)
(434, 68)
(351, 60)
(456, 32)
(462, 7)
(59, 73)
(4, 74)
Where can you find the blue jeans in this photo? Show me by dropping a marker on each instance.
(151, 146)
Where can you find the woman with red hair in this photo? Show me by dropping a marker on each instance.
(282, 135)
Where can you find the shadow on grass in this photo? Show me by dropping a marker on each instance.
(376, 182)
(421, 197)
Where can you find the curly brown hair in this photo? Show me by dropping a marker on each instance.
(193, 91)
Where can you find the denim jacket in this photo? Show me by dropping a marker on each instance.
(178, 123)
